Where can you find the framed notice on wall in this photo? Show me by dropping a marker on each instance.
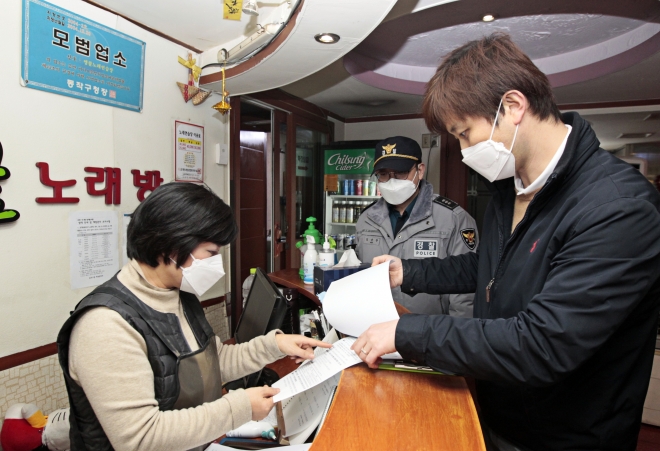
(68, 54)
(188, 152)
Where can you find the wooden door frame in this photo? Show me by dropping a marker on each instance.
(294, 120)
(298, 112)
(235, 200)
(278, 117)
(454, 174)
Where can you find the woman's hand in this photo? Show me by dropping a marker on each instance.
(376, 341)
(298, 346)
(396, 269)
(261, 400)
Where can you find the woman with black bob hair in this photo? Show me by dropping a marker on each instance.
(142, 366)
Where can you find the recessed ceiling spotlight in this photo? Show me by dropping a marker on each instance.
(488, 18)
(327, 38)
(635, 135)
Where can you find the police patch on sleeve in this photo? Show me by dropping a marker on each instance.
(425, 248)
(468, 236)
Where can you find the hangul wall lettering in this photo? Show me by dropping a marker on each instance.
(60, 38)
(102, 53)
(147, 182)
(112, 179)
(82, 46)
(58, 197)
(119, 60)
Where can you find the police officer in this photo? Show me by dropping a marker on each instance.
(412, 222)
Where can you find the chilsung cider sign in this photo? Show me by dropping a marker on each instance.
(349, 161)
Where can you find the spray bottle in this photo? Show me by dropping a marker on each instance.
(309, 261)
(302, 247)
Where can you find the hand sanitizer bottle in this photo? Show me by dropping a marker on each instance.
(309, 260)
(327, 255)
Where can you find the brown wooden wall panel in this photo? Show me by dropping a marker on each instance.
(253, 195)
(252, 163)
(253, 224)
(254, 255)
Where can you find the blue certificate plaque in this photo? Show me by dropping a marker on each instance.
(70, 55)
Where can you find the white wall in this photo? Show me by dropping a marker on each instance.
(69, 134)
(412, 128)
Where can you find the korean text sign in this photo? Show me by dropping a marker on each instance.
(70, 55)
(188, 152)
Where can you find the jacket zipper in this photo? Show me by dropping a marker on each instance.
(513, 235)
(490, 284)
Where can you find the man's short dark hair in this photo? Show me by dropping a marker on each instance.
(472, 79)
(176, 218)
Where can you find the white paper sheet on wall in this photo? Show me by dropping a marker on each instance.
(93, 247)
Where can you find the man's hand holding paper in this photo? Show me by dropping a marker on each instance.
(376, 341)
(396, 268)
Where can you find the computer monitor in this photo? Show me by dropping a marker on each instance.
(265, 308)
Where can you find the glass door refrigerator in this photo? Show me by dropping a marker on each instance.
(349, 188)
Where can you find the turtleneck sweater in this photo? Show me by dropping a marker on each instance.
(108, 359)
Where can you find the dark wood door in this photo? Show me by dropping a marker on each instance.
(252, 209)
(453, 172)
(248, 200)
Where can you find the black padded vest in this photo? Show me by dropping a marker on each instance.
(165, 343)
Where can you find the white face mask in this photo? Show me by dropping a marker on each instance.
(491, 159)
(202, 274)
(396, 192)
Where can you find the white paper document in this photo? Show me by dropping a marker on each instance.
(306, 408)
(355, 302)
(322, 368)
(364, 298)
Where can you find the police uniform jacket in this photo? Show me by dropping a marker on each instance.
(566, 306)
(437, 227)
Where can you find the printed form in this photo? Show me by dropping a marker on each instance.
(313, 372)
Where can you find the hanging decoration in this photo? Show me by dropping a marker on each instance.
(223, 106)
(232, 9)
(192, 90)
(200, 97)
(189, 90)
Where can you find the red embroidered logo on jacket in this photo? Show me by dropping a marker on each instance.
(534, 246)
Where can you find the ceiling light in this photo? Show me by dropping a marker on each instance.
(652, 117)
(327, 38)
(250, 8)
(488, 18)
(635, 135)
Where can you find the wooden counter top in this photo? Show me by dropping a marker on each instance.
(291, 279)
(380, 409)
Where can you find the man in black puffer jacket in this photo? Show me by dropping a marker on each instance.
(567, 276)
